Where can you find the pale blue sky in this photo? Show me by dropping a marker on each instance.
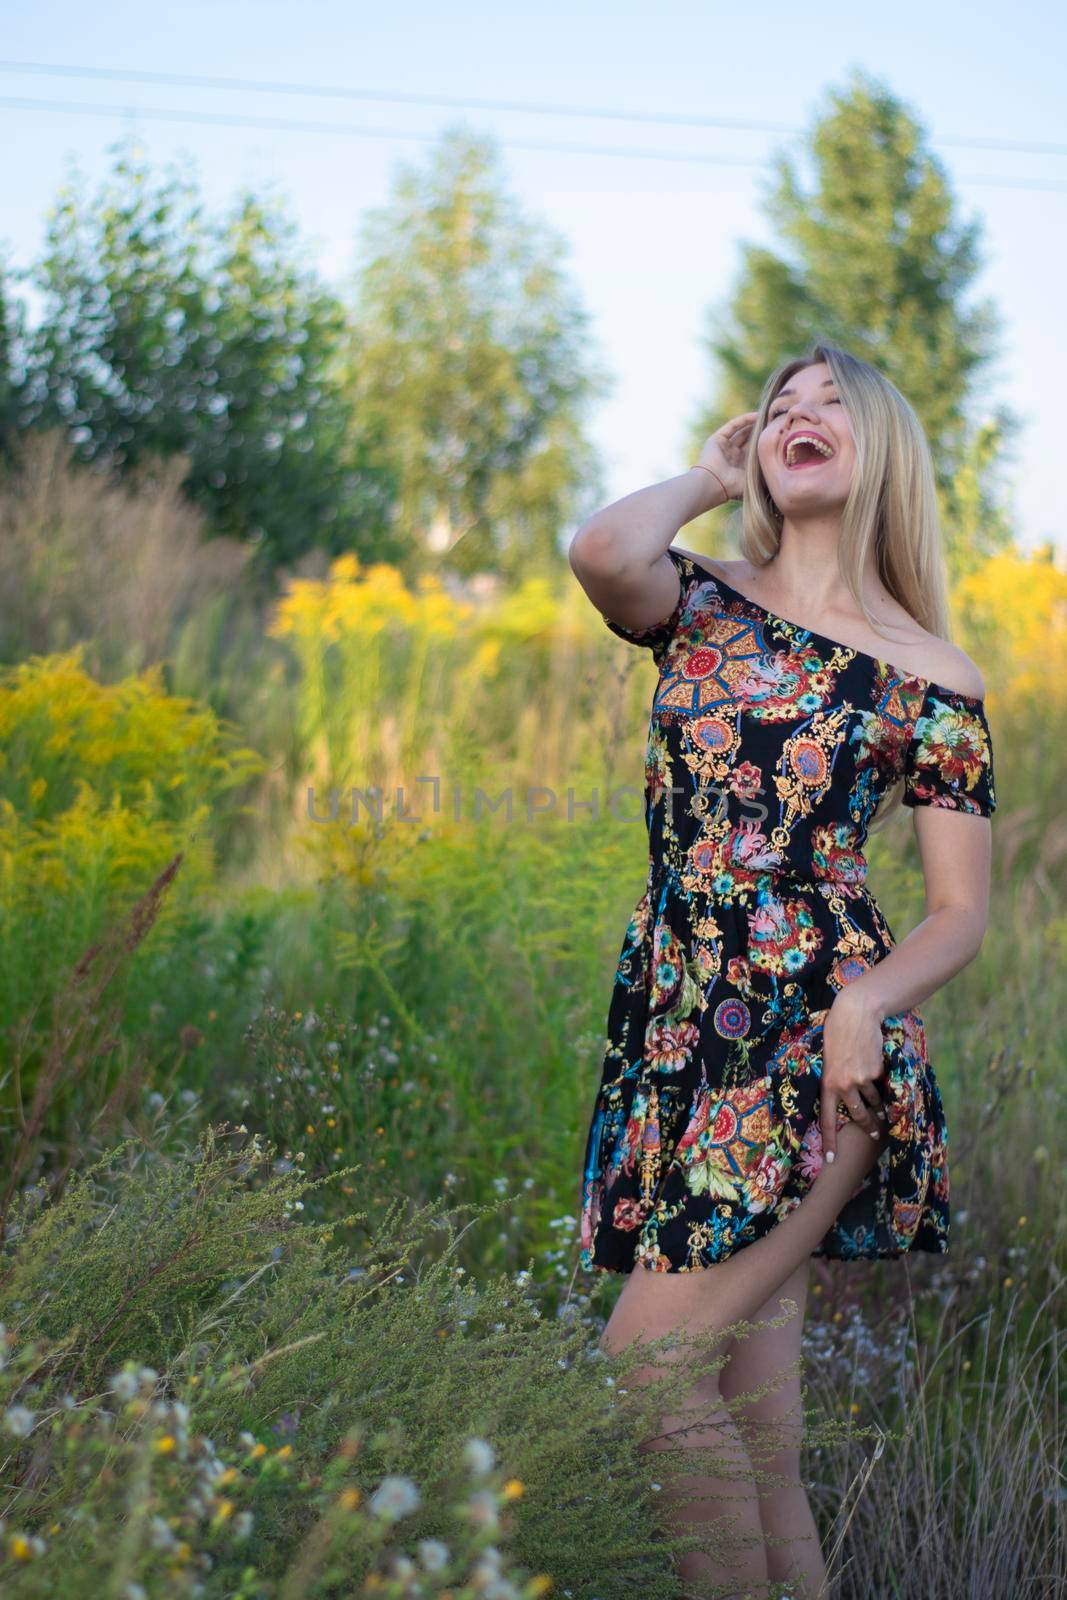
(653, 244)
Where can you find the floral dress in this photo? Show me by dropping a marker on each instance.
(770, 748)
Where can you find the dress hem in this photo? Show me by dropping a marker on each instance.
(821, 1255)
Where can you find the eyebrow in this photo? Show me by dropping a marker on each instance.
(827, 383)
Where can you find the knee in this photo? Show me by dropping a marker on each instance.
(777, 1475)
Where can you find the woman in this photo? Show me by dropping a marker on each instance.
(766, 1094)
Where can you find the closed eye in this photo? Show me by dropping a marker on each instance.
(783, 409)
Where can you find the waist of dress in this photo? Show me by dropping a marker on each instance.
(794, 876)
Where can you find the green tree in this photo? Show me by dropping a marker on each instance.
(168, 332)
(877, 262)
(12, 318)
(467, 357)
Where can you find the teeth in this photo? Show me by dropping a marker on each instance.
(805, 438)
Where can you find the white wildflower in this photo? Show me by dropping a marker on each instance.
(483, 1509)
(125, 1385)
(19, 1421)
(488, 1564)
(433, 1554)
(161, 1534)
(480, 1455)
(394, 1497)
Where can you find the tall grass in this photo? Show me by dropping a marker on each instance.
(116, 569)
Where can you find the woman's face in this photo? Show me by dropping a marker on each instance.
(804, 479)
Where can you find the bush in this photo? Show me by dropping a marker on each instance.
(189, 1360)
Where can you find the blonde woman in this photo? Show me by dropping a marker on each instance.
(766, 1094)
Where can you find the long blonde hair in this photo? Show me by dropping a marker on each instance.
(892, 500)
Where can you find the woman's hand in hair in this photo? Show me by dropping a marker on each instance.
(724, 452)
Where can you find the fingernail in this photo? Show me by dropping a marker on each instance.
(829, 1155)
(873, 1133)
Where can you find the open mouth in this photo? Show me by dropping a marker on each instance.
(806, 450)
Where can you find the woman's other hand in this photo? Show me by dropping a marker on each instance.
(853, 1062)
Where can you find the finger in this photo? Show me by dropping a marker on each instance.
(872, 1098)
(861, 1116)
(828, 1122)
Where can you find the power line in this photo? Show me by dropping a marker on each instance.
(348, 130)
(191, 80)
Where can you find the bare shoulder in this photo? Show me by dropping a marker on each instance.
(947, 666)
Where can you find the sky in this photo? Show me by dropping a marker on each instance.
(653, 212)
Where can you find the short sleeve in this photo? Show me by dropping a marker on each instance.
(949, 760)
(658, 636)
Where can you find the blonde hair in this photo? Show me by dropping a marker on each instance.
(892, 500)
(891, 505)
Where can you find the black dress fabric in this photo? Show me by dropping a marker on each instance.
(770, 748)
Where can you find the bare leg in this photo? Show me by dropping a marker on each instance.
(653, 1304)
(772, 1425)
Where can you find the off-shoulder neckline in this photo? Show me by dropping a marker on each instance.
(838, 644)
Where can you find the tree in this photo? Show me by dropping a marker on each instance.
(167, 332)
(877, 263)
(11, 378)
(467, 359)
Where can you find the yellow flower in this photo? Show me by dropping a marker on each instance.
(349, 1499)
(225, 1510)
(540, 1585)
(19, 1547)
(854, 1408)
(257, 1450)
(284, 1453)
(165, 1445)
(513, 1489)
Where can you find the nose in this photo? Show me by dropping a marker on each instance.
(799, 412)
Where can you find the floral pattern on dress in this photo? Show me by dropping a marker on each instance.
(770, 749)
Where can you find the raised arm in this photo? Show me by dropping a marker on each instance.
(619, 554)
